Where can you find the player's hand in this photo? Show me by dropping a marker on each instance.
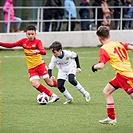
(93, 69)
(78, 70)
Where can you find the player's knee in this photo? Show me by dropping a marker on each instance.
(71, 79)
(35, 84)
(73, 82)
(105, 93)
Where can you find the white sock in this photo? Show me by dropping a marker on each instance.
(67, 95)
(80, 88)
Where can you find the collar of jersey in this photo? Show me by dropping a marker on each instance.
(62, 55)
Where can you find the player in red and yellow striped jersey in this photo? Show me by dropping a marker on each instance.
(33, 50)
(116, 54)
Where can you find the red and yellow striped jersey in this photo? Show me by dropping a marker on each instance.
(115, 53)
(32, 59)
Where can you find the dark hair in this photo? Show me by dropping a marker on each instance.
(55, 46)
(103, 32)
(31, 27)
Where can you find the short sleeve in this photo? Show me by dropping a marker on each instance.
(103, 56)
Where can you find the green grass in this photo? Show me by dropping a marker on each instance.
(20, 113)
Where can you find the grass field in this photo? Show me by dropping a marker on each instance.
(20, 113)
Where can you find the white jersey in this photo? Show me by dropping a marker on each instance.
(65, 65)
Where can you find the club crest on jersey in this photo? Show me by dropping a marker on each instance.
(24, 45)
(67, 58)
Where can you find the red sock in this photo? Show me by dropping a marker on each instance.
(55, 83)
(42, 88)
(110, 111)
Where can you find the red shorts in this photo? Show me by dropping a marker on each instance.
(39, 70)
(123, 82)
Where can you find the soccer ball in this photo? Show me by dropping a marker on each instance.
(42, 98)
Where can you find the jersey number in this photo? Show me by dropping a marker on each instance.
(121, 53)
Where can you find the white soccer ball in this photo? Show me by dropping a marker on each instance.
(42, 98)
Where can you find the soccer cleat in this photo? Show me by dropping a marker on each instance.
(87, 97)
(108, 121)
(68, 101)
(54, 98)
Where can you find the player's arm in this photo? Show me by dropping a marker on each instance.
(103, 58)
(127, 46)
(11, 45)
(40, 49)
(78, 64)
(50, 72)
(130, 47)
(51, 66)
(98, 66)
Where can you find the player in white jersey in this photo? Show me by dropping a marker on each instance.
(67, 63)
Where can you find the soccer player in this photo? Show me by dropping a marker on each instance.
(116, 54)
(67, 63)
(33, 50)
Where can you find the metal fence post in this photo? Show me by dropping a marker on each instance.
(8, 22)
(69, 24)
(38, 19)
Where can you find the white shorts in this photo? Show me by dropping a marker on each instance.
(63, 74)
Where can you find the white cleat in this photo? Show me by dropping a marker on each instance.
(87, 97)
(54, 98)
(108, 121)
(68, 101)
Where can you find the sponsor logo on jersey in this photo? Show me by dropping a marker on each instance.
(33, 45)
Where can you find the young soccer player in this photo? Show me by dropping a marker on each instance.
(33, 50)
(115, 53)
(67, 63)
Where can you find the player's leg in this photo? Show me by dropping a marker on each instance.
(41, 70)
(61, 78)
(50, 82)
(64, 91)
(34, 77)
(35, 81)
(131, 95)
(108, 93)
(79, 87)
(44, 73)
(109, 105)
